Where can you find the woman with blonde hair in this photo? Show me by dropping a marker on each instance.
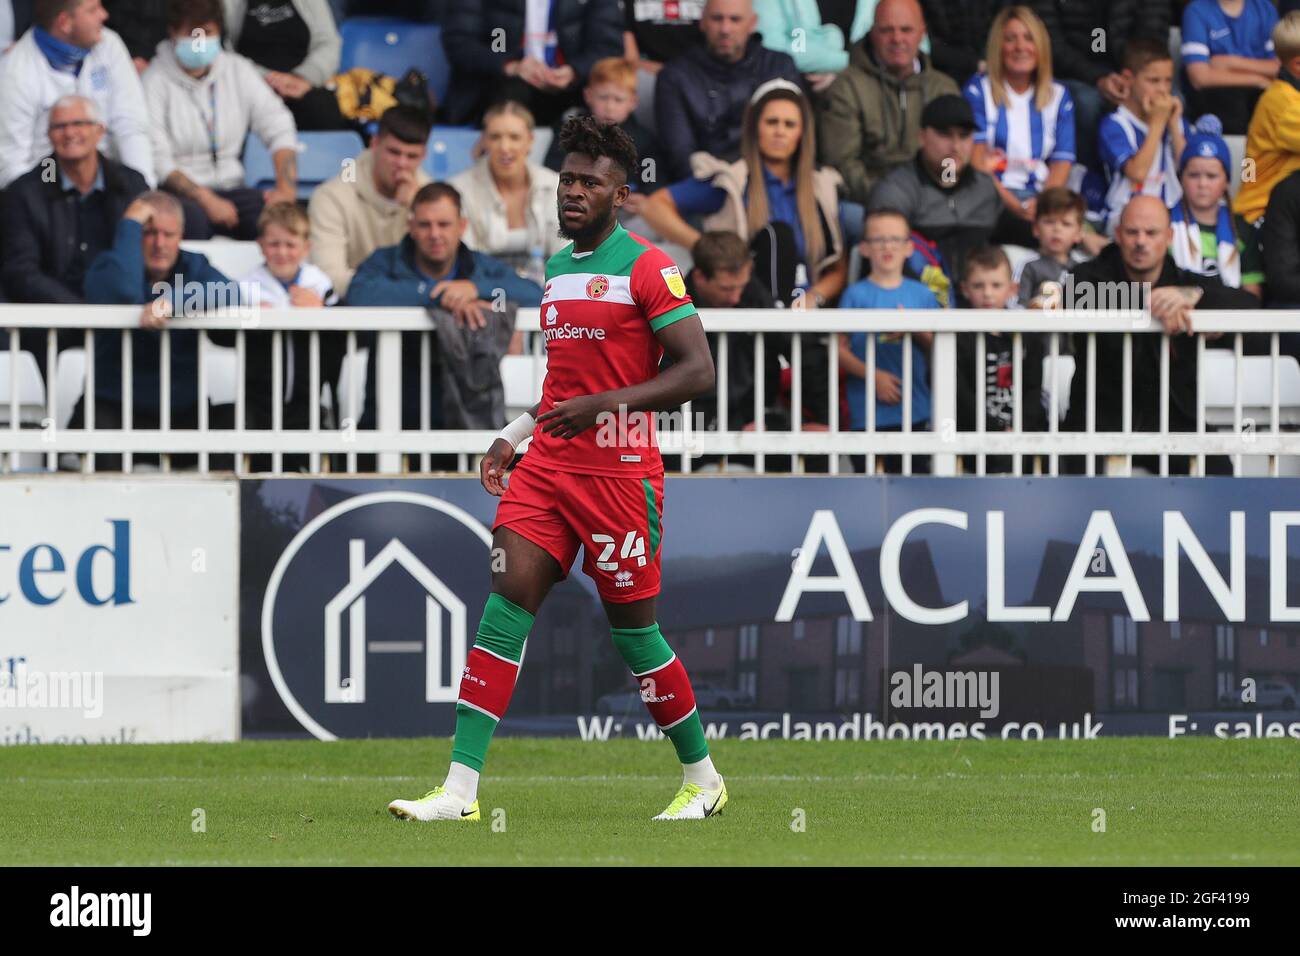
(773, 197)
(1024, 120)
(508, 199)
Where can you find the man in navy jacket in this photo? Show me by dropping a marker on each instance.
(431, 266)
(146, 266)
(700, 97)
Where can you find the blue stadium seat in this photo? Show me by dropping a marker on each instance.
(449, 151)
(393, 47)
(259, 170)
(320, 159)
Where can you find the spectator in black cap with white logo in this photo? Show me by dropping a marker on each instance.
(953, 206)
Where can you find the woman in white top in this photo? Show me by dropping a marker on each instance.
(508, 200)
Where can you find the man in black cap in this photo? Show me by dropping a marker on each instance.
(946, 200)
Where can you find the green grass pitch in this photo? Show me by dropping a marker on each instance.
(1187, 801)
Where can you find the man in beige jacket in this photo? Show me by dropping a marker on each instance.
(365, 207)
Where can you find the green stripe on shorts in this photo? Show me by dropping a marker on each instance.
(652, 516)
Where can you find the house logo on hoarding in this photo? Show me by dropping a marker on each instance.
(364, 622)
(351, 601)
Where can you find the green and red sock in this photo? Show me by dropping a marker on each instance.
(491, 669)
(665, 688)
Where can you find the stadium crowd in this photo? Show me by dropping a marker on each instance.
(974, 153)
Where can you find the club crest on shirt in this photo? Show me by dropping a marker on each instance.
(673, 279)
(597, 286)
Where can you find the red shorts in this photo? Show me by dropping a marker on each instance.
(617, 521)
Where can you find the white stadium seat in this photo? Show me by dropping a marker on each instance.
(31, 400)
(1018, 256)
(522, 379)
(1256, 390)
(31, 390)
(1065, 371)
(358, 368)
(232, 258)
(222, 369)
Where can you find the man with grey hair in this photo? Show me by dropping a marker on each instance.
(870, 118)
(55, 218)
(146, 266)
(69, 50)
(61, 214)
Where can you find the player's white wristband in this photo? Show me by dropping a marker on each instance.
(521, 428)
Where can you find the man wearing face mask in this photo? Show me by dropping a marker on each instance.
(203, 101)
(70, 51)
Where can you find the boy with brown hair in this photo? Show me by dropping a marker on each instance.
(1141, 141)
(1059, 229)
(990, 390)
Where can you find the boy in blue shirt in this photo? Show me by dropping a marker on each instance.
(1141, 141)
(1228, 58)
(887, 244)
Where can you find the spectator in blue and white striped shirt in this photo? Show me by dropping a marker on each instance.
(1024, 120)
(1141, 141)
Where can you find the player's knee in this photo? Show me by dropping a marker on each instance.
(632, 614)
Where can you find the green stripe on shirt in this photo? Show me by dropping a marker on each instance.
(671, 316)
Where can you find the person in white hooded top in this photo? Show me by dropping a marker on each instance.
(203, 101)
(69, 51)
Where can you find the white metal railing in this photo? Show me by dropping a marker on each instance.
(1256, 427)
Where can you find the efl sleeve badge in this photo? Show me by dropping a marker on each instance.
(673, 279)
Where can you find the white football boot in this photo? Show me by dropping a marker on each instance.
(693, 802)
(438, 804)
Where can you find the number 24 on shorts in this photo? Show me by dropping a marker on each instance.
(633, 547)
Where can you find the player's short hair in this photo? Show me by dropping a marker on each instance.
(720, 251)
(986, 259)
(885, 212)
(1141, 52)
(583, 134)
(195, 13)
(615, 70)
(1058, 201)
(432, 192)
(408, 124)
(289, 216)
(45, 12)
(1286, 37)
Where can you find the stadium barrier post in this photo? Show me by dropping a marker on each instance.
(388, 395)
(943, 400)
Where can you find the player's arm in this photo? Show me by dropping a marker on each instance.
(492, 469)
(690, 376)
